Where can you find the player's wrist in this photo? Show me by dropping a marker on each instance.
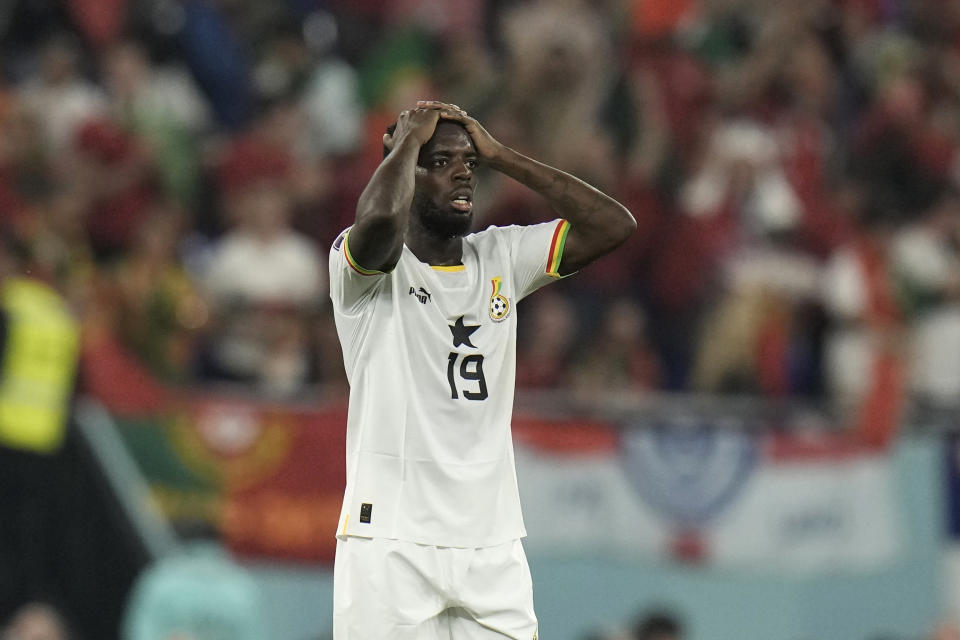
(407, 142)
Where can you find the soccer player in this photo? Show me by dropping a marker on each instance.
(429, 533)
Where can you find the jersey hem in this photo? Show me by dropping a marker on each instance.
(433, 543)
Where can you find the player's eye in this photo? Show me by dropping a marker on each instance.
(471, 164)
(439, 162)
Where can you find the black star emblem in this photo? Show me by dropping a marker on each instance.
(461, 333)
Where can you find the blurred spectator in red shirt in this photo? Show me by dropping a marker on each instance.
(114, 175)
(865, 358)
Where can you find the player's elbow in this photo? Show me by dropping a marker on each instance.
(624, 225)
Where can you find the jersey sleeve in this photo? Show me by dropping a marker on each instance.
(535, 254)
(351, 285)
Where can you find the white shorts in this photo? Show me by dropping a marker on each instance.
(389, 589)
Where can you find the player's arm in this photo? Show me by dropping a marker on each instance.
(376, 237)
(598, 223)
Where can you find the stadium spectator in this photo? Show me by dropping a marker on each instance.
(926, 260)
(300, 61)
(113, 175)
(263, 278)
(543, 360)
(653, 625)
(164, 108)
(217, 57)
(39, 338)
(197, 593)
(24, 165)
(557, 80)
(160, 311)
(659, 626)
(617, 359)
(861, 302)
(36, 621)
(59, 95)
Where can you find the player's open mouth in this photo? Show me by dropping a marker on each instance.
(462, 202)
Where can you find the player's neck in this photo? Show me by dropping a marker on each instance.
(434, 250)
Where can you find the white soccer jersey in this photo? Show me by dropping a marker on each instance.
(430, 353)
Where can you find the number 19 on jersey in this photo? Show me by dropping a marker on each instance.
(470, 370)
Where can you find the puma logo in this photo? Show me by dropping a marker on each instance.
(420, 294)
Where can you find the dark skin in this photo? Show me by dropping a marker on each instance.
(421, 194)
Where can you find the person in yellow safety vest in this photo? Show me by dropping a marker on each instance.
(39, 350)
(38, 365)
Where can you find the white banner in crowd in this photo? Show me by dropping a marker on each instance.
(712, 495)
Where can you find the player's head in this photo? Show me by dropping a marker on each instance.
(445, 180)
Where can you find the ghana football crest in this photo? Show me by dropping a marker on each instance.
(499, 305)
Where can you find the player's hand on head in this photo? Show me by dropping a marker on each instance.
(487, 146)
(447, 110)
(419, 123)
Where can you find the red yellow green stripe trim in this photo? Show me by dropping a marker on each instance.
(352, 262)
(556, 248)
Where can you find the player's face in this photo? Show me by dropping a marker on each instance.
(446, 177)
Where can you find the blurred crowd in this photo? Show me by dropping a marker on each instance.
(177, 169)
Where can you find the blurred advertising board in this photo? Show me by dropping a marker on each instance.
(269, 476)
(694, 491)
(685, 488)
